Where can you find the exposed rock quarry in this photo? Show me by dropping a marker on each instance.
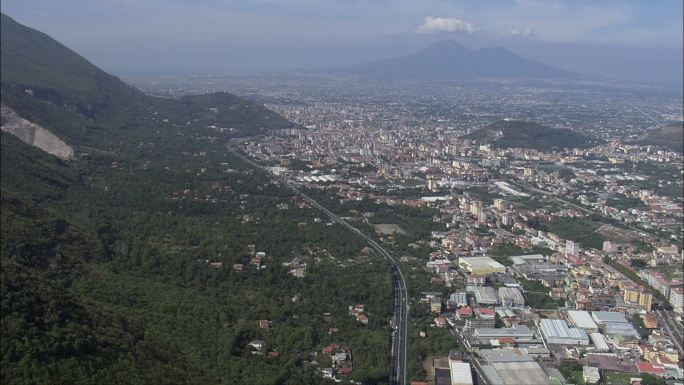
(34, 134)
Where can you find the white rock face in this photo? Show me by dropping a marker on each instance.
(34, 134)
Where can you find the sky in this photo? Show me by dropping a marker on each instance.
(627, 39)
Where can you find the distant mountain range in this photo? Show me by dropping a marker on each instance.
(523, 134)
(450, 60)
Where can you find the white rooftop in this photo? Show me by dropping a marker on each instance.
(481, 262)
(581, 319)
(608, 316)
(558, 328)
(600, 342)
(460, 372)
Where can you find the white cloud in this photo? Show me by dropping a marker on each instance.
(517, 31)
(445, 24)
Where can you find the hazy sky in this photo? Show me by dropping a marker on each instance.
(637, 39)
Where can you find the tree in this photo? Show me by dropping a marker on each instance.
(498, 322)
(637, 263)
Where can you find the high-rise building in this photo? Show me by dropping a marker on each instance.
(638, 296)
(677, 298)
(645, 300)
(432, 186)
(476, 207)
(631, 295)
(571, 248)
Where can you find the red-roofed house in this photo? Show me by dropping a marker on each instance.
(330, 348)
(650, 321)
(345, 371)
(464, 312)
(483, 312)
(647, 367)
(440, 321)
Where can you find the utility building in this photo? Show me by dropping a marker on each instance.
(556, 331)
(481, 265)
(460, 373)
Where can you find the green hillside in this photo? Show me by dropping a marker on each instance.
(51, 335)
(48, 84)
(523, 134)
(104, 257)
(670, 136)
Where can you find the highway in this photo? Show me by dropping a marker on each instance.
(672, 328)
(399, 332)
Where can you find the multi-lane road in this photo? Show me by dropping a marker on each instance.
(672, 328)
(399, 331)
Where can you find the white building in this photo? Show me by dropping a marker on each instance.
(481, 265)
(600, 343)
(591, 374)
(677, 298)
(601, 317)
(582, 320)
(460, 373)
(511, 296)
(556, 331)
(484, 295)
(520, 331)
(459, 299)
(571, 248)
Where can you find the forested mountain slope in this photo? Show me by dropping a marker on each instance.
(517, 133)
(105, 258)
(669, 136)
(50, 85)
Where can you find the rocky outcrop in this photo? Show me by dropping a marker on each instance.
(34, 134)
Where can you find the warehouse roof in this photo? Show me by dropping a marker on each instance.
(518, 331)
(620, 329)
(521, 373)
(530, 258)
(492, 375)
(505, 355)
(460, 372)
(512, 294)
(558, 328)
(581, 319)
(484, 294)
(608, 316)
(599, 342)
(477, 263)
